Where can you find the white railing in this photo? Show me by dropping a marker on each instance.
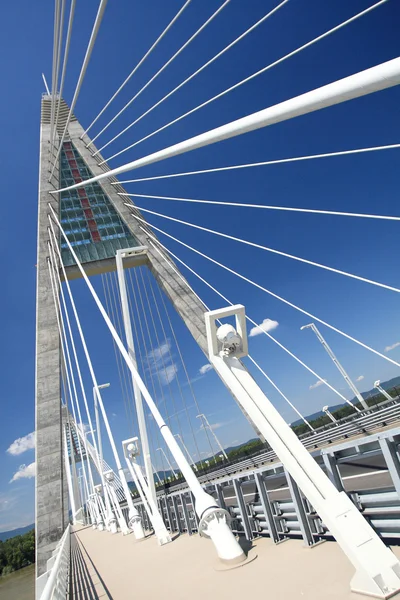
(54, 584)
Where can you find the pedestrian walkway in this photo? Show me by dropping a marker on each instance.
(188, 569)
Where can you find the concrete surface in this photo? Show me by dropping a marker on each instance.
(187, 569)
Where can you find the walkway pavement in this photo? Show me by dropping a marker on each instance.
(187, 569)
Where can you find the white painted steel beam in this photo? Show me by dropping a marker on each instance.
(377, 568)
(121, 254)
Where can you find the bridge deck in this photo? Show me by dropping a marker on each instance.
(188, 568)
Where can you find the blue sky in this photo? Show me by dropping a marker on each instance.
(361, 183)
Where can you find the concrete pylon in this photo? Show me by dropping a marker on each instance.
(76, 163)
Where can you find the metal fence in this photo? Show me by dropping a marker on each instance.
(54, 584)
(385, 414)
(265, 501)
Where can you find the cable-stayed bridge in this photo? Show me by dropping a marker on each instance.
(110, 286)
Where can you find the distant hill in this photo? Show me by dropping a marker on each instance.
(242, 444)
(387, 385)
(6, 535)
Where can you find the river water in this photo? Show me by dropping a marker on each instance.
(19, 585)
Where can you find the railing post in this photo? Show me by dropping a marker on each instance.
(266, 506)
(332, 469)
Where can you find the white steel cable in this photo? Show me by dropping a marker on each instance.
(193, 75)
(52, 251)
(178, 14)
(260, 287)
(53, 70)
(88, 359)
(196, 405)
(65, 352)
(259, 164)
(136, 317)
(172, 362)
(126, 385)
(65, 60)
(85, 63)
(273, 251)
(255, 363)
(316, 211)
(60, 37)
(256, 74)
(229, 302)
(161, 70)
(374, 79)
(170, 440)
(45, 85)
(247, 317)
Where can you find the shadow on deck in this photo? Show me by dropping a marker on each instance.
(86, 582)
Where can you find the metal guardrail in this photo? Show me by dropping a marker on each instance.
(265, 501)
(54, 584)
(382, 415)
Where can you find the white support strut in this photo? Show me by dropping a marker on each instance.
(377, 568)
(131, 349)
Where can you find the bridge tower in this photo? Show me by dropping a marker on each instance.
(98, 223)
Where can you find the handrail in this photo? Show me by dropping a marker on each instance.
(58, 575)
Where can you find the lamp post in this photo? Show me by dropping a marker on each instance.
(169, 464)
(329, 414)
(202, 416)
(187, 452)
(131, 452)
(156, 472)
(378, 386)
(339, 366)
(110, 520)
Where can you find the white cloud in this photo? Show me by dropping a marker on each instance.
(392, 347)
(317, 384)
(360, 378)
(160, 363)
(205, 368)
(266, 325)
(168, 373)
(22, 444)
(25, 472)
(158, 353)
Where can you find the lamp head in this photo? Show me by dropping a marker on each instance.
(131, 447)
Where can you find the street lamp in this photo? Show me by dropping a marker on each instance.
(378, 386)
(329, 414)
(202, 416)
(338, 365)
(187, 452)
(169, 464)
